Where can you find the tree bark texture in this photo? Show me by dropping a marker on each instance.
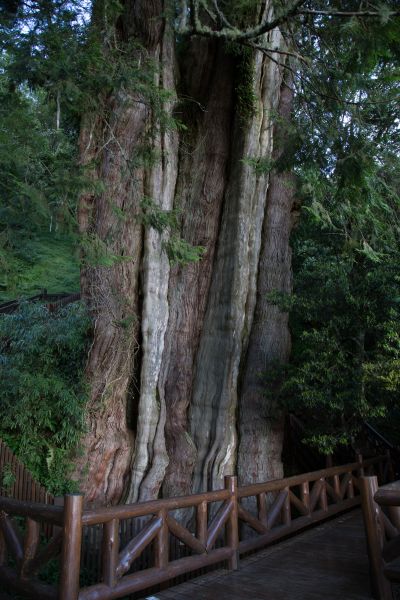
(261, 420)
(177, 398)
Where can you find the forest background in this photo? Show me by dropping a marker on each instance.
(71, 73)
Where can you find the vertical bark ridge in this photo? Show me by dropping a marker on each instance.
(150, 456)
(214, 402)
(261, 426)
(200, 191)
(111, 293)
(270, 92)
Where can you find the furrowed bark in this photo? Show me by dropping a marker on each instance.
(202, 178)
(260, 418)
(111, 293)
(231, 300)
(110, 221)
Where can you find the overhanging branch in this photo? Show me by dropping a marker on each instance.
(249, 37)
(342, 13)
(229, 32)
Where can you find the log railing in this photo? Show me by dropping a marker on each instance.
(53, 301)
(211, 527)
(381, 512)
(22, 555)
(157, 525)
(288, 505)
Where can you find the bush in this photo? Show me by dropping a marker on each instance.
(42, 357)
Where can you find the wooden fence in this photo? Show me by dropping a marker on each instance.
(218, 526)
(17, 482)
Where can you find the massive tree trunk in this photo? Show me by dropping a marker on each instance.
(174, 369)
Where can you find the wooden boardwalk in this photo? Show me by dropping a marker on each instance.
(328, 562)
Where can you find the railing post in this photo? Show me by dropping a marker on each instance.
(262, 508)
(161, 542)
(232, 526)
(110, 550)
(336, 484)
(202, 529)
(374, 530)
(359, 459)
(350, 488)
(323, 498)
(71, 547)
(286, 509)
(305, 495)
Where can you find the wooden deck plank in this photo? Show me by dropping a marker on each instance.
(328, 562)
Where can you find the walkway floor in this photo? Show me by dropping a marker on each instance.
(328, 562)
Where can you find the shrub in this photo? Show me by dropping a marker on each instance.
(42, 356)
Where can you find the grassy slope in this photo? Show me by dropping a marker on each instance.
(46, 261)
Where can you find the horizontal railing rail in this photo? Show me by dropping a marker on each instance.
(102, 515)
(211, 528)
(53, 301)
(35, 510)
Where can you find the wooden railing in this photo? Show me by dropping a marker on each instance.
(296, 502)
(53, 301)
(381, 512)
(27, 557)
(379, 444)
(212, 527)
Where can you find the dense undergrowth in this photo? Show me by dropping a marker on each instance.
(42, 357)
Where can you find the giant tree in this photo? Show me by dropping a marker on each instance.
(184, 152)
(185, 225)
(179, 154)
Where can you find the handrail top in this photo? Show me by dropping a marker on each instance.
(141, 509)
(103, 514)
(389, 494)
(36, 510)
(277, 484)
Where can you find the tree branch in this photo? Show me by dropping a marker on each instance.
(341, 13)
(266, 25)
(221, 15)
(270, 51)
(229, 32)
